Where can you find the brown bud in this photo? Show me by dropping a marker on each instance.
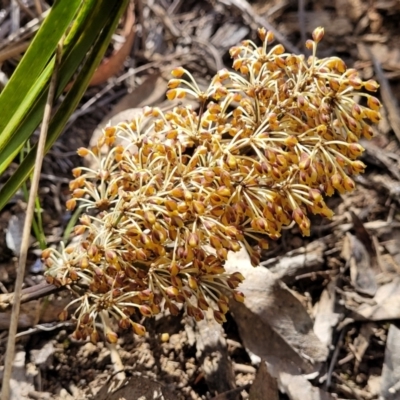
(222, 253)
(172, 291)
(111, 256)
(309, 44)
(355, 149)
(94, 337)
(176, 281)
(215, 242)
(371, 85)
(223, 191)
(192, 282)
(178, 72)
(305, 161)
(174, 268)
(193, 239)
(76, 172)
(70, 204)
(318, 34)
(92, 251)
(77, 335)
(373, 103)
(219, 317)
(198, 207)
(237, 276)
(73, 275)
(202, 303)
(82, 152)
(171, 205)
(145, 311)
(173, 308)
(235, 246)
(223, 306)
(238, 296)
(177, 192)
(111, 337)
(145, 295)
(63, 316)
(149, 217)
(79, 230)
(46, 253)
(262, 33)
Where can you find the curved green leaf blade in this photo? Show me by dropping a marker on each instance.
(71, 100)
(81, 38)
(32, 64)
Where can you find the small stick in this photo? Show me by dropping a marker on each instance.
(9, 358)
(39, 7)
(302, 23)
(28, 294)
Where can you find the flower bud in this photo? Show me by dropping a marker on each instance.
(111, 337)
(172, 291)
(192, 282)
(138, 329)
(238, 296)
(373, 103)
(70, 204)
(318, 34)
(63, 315)
(94, 337)
(309, 44)
(262, 33)
(371, 85)
(219, 317)
(178, 72)
(82, 152)
(193, 239)
(145, 311)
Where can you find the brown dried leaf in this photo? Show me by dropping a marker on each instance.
(358, 258)
(264, 386)
(385, 304)
(112, 65)
(272, 315)
(300, 261)
(325, 317)
(390, 387)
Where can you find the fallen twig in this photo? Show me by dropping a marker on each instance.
(28, 294)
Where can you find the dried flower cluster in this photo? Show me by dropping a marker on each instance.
(174, 192)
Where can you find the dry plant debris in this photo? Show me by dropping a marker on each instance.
(201, 34)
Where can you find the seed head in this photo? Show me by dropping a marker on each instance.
(182, 188)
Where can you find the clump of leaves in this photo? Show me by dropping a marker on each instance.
(174, 192)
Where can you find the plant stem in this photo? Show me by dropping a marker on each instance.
(9, 358)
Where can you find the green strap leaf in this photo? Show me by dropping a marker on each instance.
(32, 65)
(113, 13)
(80, 39)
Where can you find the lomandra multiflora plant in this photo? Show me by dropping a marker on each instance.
(174, 192)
